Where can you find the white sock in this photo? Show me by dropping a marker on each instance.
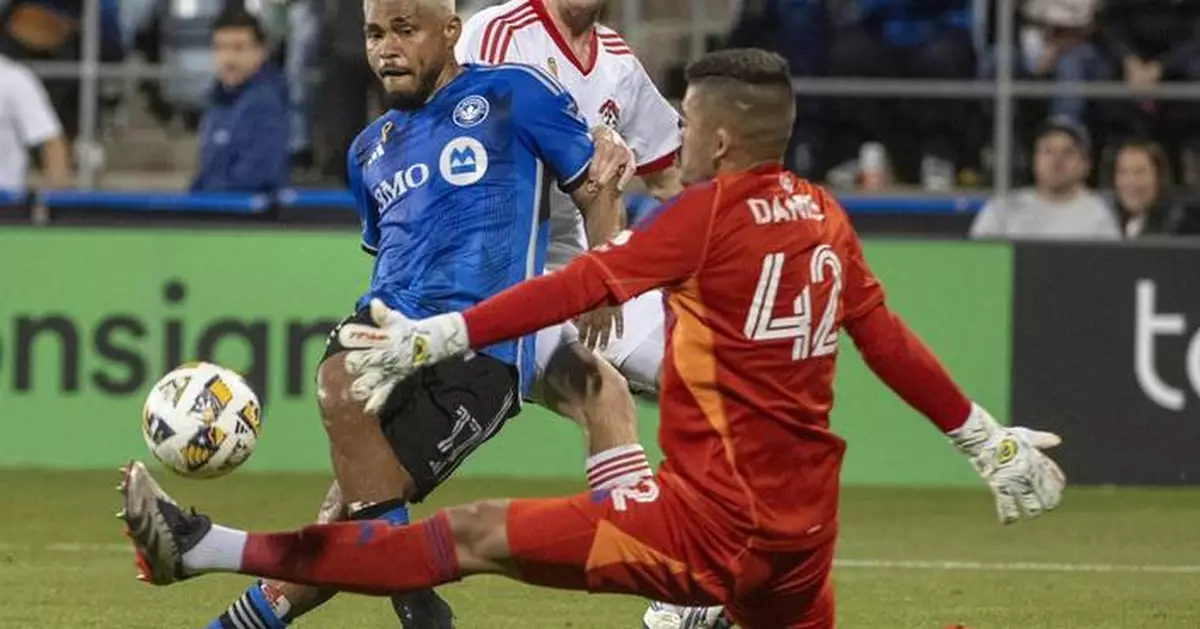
(218, 551)
(622, 465)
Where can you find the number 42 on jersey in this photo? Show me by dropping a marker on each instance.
(824, 266)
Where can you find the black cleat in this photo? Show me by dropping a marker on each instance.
(423, 610)
(160, 530)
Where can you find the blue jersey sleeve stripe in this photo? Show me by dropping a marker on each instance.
(573, 181)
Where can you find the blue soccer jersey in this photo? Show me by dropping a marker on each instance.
(453, 196)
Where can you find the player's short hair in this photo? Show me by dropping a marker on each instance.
(750, 89)
(236, 17)
(753, 66)
(446, 7)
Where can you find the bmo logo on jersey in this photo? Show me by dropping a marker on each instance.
(464, 161)
(386, 192)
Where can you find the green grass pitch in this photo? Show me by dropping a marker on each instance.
(1107, 559)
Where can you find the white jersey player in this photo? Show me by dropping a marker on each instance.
(611, 88)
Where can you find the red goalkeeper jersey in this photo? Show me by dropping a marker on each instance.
(760, 269)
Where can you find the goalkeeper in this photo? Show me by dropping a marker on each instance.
(743, 511)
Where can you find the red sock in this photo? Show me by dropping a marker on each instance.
(367, 557)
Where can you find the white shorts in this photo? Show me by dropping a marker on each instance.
(637, 355)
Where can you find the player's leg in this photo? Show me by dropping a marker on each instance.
(372, 469)
(430, 424)
(576, 383)
(638, 354)
(634, 541)
(276, 604)
(797, 592)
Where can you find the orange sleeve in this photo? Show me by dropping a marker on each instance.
(907, 366)
(862, 292)
(667, 250)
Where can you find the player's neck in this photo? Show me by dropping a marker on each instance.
(741, 162)
(575, 26)
(449, 73)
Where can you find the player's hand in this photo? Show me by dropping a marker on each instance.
(598, 327)
(382, 356)
(613, 160)
(1024, 481)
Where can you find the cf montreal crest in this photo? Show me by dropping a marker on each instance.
(471, 111)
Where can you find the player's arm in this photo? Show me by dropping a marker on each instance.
(599, 197)
(584, 162)
(1024, 481)
(652, 130)
(664, 184)
(667, 251)
(587, 166)
(367, 214)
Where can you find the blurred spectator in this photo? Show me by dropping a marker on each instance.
(1142, 181)
(49, 30)
(1060, 205)
(1158, 41)
(28, 121)
(1056, 42)
(903, 38)
(178, 36)
(244, 131)
(346, 85)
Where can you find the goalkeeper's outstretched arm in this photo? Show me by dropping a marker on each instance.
(1024, 481)
(903, 362)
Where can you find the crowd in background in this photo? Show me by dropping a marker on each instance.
(293, 88)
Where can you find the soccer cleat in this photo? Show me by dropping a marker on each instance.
(423, 610)
(160, 530)
(667, 616)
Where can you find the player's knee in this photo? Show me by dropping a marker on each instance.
(575, 374)
(333, 393)
(480, 531)
(611, 382)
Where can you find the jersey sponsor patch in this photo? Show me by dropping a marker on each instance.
(402, 182)
(471, 111)
(464, 161)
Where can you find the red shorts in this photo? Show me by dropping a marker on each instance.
(646, 540)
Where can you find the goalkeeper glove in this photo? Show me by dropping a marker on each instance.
(380, 357)
(1024, 481)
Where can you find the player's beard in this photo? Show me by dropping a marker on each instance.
(415, 99)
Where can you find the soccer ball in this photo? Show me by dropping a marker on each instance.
(201, 420)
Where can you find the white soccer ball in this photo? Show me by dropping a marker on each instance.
(201, 420)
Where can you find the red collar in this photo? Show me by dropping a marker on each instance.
(539, 7)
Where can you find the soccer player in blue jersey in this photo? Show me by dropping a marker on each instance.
(451, 186)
